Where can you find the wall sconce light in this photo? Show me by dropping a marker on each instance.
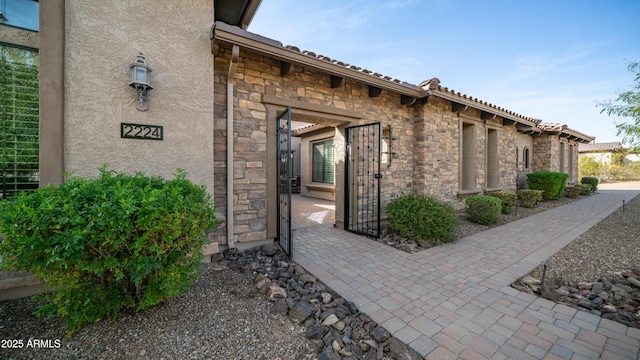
(141, 81)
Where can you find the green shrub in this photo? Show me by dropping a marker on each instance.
(108, 244)
(529, 198)
(552, 183)
(507, 200)
(585, 189)
(420, 217)
(573, 192)
(593, 181)
(483, 209)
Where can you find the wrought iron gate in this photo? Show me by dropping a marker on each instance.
(285, 171)
(362, 179)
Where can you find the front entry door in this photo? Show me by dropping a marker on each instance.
(285, 172)
(362, 179)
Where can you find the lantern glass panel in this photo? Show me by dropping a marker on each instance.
(141, 75)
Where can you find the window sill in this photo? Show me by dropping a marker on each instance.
(469, 192)
(493, 189)
(321, 187)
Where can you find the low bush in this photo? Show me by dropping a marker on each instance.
(593, 181)
(483, 209)
(420, 217)
(573, 192)
(529, 198)
(507, 199)
(551, 183)
(108, 244)
(585, 189)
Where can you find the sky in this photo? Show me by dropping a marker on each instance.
(546, 59)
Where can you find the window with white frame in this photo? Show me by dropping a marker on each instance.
(322, 163)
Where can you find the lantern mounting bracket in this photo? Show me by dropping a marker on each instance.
(141, 81)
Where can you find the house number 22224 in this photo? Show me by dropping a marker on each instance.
(139, 131)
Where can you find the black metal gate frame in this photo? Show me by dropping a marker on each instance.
(364, 219)
(284, 166)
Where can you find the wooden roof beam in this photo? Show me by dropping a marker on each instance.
(336, 81)
(374, 91)
(407, 100)
(457, 107)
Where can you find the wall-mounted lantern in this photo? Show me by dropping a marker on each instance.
(141, 81)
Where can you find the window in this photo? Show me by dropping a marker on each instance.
(322, 162)
(18, 120)
(493, 178)
(468, 176)
(571, 162)
(562, 157)
(19, 13)
(525, 157)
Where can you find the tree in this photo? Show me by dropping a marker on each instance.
(627, 105)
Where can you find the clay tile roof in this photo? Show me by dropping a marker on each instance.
(552, 126)
(434, 84)
(600, 147)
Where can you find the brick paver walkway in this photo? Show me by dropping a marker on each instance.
(454, 301)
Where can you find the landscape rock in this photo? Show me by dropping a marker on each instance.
(616, 298)
(335, 329)
(330, 320)
(276, 292)
(300, 312)
(380, 334)
(315, 332)
(280, 307)
(401, 351)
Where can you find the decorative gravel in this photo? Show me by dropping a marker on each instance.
(222, 317)
(612, 245)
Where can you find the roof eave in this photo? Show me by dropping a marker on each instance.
(577, 136)
(484, 107)
(226, 33)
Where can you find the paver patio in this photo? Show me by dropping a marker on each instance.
(454, 301)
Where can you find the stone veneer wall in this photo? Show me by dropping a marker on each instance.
(427, 139)
(257, 77)
(507, 158)
(545, 153)
(437, 150)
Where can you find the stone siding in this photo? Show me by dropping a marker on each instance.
(257, 77)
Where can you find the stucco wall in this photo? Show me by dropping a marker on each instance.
(102, 39)
(11, 35)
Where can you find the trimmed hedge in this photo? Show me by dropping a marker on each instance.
(507, 199)
(585, 189)
(551, 183)
(108, 244)
(593, 181)
(420, 217)
(483, 209)
(529, 198)
(573, 192)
